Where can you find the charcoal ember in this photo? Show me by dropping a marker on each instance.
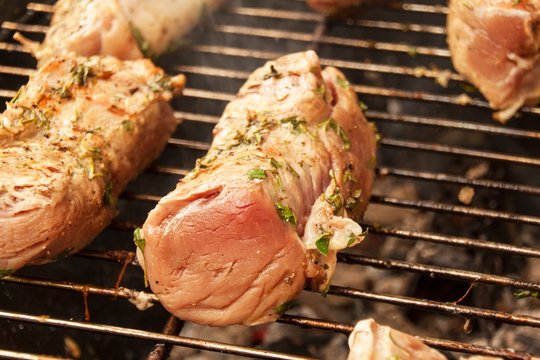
(238, 335)
(520, 338)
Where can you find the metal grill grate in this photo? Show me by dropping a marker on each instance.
(394, 56)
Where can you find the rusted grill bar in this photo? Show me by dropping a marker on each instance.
(162, 350)
(181, 142)
(147, 335)
(17, 355)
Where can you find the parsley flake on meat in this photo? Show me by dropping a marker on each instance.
(323, 243)
(256, 174)
(286, 213)
(138, 238)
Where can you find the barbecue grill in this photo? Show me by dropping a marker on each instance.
(453, 220)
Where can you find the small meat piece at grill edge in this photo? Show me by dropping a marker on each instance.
(69, 142)
(126, 29)
(371, 341)
(495, 45)
(266, 210)
(333, 7)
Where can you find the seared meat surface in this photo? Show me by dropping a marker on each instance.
(371, 341)
(495, 45)
(126, 29)
(266, 210)
(69, 142)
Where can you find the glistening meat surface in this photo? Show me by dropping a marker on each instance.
(495, 44)
(69, 142)
(267, 208)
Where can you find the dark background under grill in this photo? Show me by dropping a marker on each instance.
(429, 141)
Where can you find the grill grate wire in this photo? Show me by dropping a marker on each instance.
(258, 9)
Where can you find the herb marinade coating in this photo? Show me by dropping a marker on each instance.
(266, 210)
(70, 140)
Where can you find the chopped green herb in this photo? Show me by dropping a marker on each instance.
(335, 200)
(140, 242)
(127, 125)
(325, 290)
(352, 200)
(205, 161)
(138, 239)
(525, 294)
(323, 243)
(161, 83)
(286, 213)
(63, 92)
(377, 133)
(291, 169)
(332, 124)
(348, 176)
(17, 95)
(256, 174)
(279, 183)
(275, 164)
(7, 272)
(93, 155)
(353, 237)
(321, 90)
(298, 125)
(257, 137)
(342, 82)
(108, 199)
(80, 74)
(272, 74)
(94, 130)
(362, 105)
(281, 309)
(142, 43)
(37, 117)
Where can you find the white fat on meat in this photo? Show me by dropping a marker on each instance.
(371, 341)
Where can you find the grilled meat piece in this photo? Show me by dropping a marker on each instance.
(371, 341)
(333, 7)
(495, 44)
(69, 142)
(126, 29)
(270, 204)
